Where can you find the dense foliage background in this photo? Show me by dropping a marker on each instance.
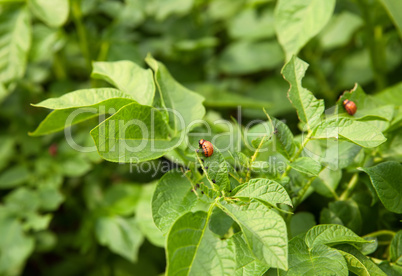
(56, 203)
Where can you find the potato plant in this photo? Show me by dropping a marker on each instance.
(200, 137)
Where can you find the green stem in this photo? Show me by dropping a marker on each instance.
(352, 184)
(302, 192)
(206, 173)
(380, 233)
(254, 157)
(294, 157)
(375, 45)
(104, 49)
(314, 58)
(58, 67)
(82, 36)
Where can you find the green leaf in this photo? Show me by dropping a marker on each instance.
(127, 77)
(391, 269)
(252, 24)
(394, 9)
(74, 166)
(395, 249)
(15, 246)
(282, 139)
(13, 177)
(384, 112)
(82, 98)
(50, 198)
(329, 217)
(3, 92)
(331, 234)
(360, 133)
(220, 223)
(309, 109)
(216, 97)
(245, 57)
(265, 190)
(316, 261)
(145, 219)
(327, 182)
(7, 150)
(45, 42)
(162, 9)
(183, 105)
(349, 214)
(306, 165)
(36, 222)
(297, 21)
(172, 198)
(357, 262)
(339, 155)
(54, 13)
(301, 222)
(136, 133)
(121, 199)
(340, 29)
(246, 264)
(216, 169)
(22, 201)
(192, 248)
(264, 231)
(15, 37)
(386, 179)
(78, 106)
(120, 235)
(391, 95)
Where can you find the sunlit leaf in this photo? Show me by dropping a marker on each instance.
(360, 133)
(134, 134)
(15, 37)
(265, 190)
(297, 21)
(309, 109)
(127, 77)
(79, 106)
(54, 13)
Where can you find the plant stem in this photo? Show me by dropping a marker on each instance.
(350, 187)
(293, 158)
(206, 173)
(314, 58)
(380, 233)
(254, 157)
(82, 36)
(302, 192)
(375, 45)
(59, 69)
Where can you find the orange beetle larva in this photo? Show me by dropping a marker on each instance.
(206, 147)
(350, 107)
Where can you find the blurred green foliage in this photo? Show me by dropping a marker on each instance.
(63, 212)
